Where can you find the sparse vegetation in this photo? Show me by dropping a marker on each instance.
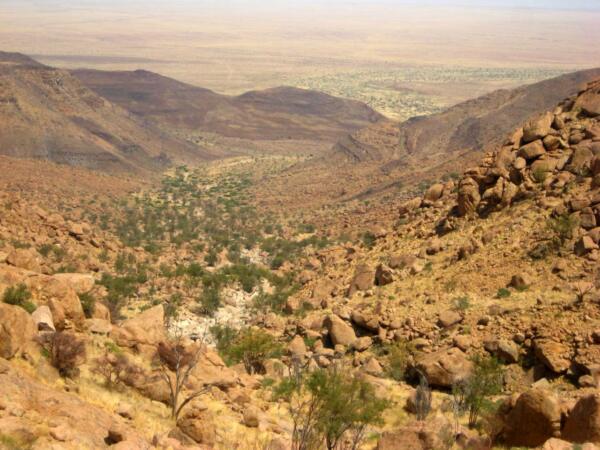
(67, 353)
(19, 295)
(473, 394)
(328, 407)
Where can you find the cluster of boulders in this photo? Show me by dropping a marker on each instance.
(551, 156)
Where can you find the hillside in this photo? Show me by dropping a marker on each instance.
(272, 114)
(467, 128)
(472, 310)
(48, 114)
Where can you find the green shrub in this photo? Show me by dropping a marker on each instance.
(562, 228)
(330, 408)
(210, 301)
(252, 347)
(397, 360)
(19, 295)
(503, 293)
(462, 303)
(88, 303)
(472, 395)
(368, 239)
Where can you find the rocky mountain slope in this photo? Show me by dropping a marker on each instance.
(47, 113)
(473, 310)
(465, 129)
(272, 114)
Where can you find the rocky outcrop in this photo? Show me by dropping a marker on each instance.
(444, 368)
(142, 332)
(340, 332)
(583, 423)
(16, 330)
(534, 418)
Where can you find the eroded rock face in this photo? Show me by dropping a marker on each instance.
(533, 420)
(61, 414)
(143, 332)
(445, 368)
(16, 330)
(199, 425)
(583, 423)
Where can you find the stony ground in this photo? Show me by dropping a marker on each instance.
(500, 266)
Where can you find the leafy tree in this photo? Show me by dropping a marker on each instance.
(472, 395)
(328, 406)
(252, 347)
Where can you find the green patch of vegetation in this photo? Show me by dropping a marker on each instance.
(330, 407)
(462, 303)
(19, 295)
(503, 293)
(472, 395)
(249, 346)
(88, 303)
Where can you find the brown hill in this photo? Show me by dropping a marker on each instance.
(272, 114)
(468, 127)
(47, 113)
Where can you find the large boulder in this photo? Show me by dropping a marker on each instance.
(59, 297)
(538, 127)
(445, 367)
(24, 258)
(468, 196)
(364, 277)
(532, 150)
(340, 332)
(434, 193)
(503, 349)
(16, 330)
(142, 332)
(583, 424)
(554, 355)
(79, 282)
(589, 101)
(199, 425)
(212, 371)
(533, 420)
(42, 318)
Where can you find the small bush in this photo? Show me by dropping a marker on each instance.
(462, 303)
(368, 239)
(67, 353)
(472, 395)
(88, 303)
(19, 295)
(116, 370)
(562, 229)
(252, 347)
(397, 360)
(210, 301)
(503, 293)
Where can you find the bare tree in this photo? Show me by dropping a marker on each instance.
(423, 398)
(176, 362)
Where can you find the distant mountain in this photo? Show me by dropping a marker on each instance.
(47, 113)
(465, 129)
(272, 114)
